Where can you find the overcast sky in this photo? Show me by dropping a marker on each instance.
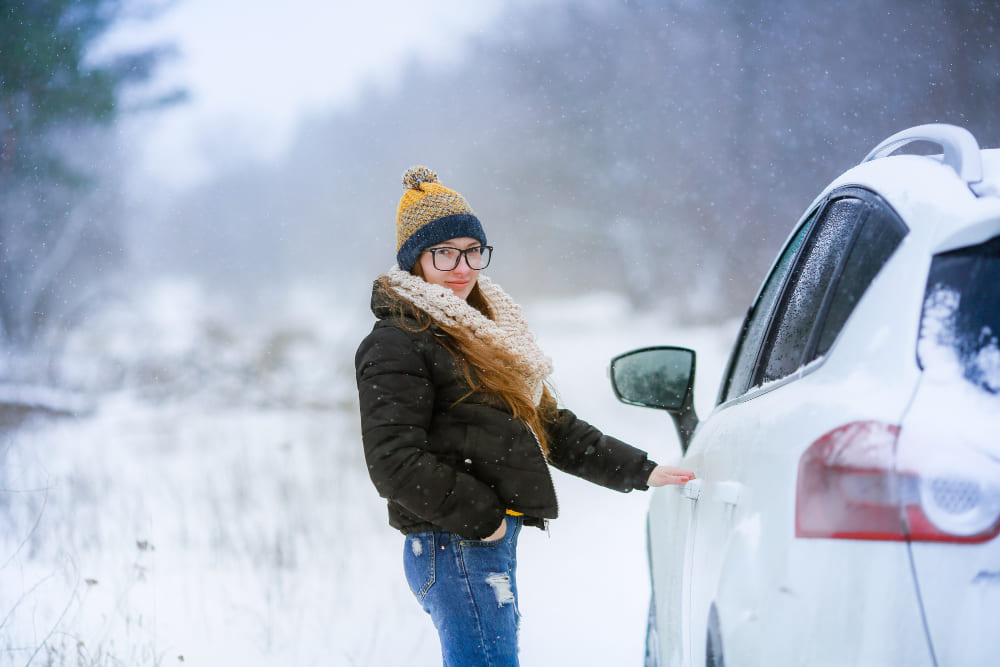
(255, 69)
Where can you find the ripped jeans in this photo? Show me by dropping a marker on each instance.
(469, 588)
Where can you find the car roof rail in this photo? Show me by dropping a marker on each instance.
(961, 152)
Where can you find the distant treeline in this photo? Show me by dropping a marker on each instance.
(61, 214)
(663, 149)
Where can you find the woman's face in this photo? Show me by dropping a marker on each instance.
(459, 280)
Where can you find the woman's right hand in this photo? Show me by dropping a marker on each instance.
(499, 533)
(663, 475)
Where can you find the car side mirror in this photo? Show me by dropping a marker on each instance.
(662, 378)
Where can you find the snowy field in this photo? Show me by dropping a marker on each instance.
(212, 506)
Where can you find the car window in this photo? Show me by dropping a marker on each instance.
(813, 289)
(960, 322)
(744, 355)
(878, 238)
(798, 311)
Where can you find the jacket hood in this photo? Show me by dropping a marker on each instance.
(380, 301)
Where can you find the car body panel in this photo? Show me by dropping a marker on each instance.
(759, 528)
(959, 583)
(725, 547)
(669, 526)
(952, 431)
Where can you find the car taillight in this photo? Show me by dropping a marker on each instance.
(852, 484)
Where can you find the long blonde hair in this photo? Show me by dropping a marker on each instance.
(487, 369)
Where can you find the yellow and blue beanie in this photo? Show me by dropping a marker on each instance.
(430, 213)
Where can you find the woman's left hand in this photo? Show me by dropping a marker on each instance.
(663, 475)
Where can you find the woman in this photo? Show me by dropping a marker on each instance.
(459, 426)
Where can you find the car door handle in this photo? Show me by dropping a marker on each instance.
(728, 492)
(692, 489)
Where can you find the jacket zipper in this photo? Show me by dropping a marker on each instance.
(545, 460)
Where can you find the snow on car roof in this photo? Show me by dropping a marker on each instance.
(937, 205)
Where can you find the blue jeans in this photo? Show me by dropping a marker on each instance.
(469, 588)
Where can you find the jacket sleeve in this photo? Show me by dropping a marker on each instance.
(396, 398)
(580, 449)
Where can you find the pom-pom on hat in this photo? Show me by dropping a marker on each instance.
(430, 213)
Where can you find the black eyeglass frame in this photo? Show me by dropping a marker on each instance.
(461, 254)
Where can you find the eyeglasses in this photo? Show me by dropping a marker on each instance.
(447, 258)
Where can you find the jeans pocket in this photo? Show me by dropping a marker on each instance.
(419, 554)
(509, 538)
(483, 543)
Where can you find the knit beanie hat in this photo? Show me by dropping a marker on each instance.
(430, 213)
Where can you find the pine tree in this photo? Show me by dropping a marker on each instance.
(51, 95)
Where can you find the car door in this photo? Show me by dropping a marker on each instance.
(747, 452)
(716, 455)
(676, 514)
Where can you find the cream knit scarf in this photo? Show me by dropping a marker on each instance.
(509, 331)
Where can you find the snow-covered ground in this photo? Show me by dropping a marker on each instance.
(214, 507)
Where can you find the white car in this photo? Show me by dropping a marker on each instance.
(847, 505)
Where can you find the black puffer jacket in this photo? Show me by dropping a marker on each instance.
(448, 460)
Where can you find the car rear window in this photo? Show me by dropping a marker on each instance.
(960, 323)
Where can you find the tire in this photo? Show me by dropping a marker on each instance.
(652, 638)
(713, 642)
